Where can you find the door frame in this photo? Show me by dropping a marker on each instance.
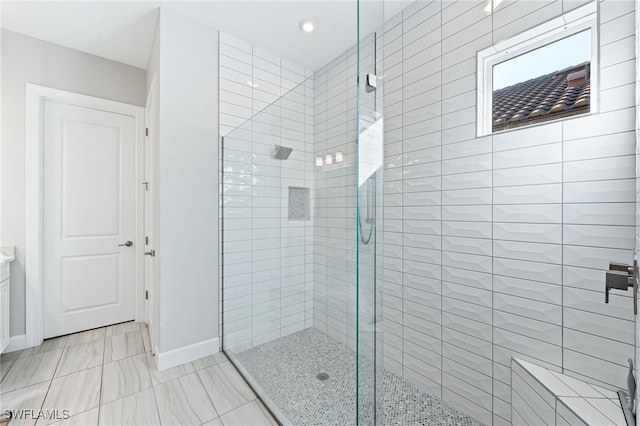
(151, 125)
(34, 253)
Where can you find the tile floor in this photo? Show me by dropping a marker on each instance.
(286, 369)
(108, 376)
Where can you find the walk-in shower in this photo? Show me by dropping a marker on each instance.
(388, 266)
(302, 250)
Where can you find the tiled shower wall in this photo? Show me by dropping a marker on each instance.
(335, 239)
(497, 246)
(494, 246)
(268, 258)
(334, 230)
(637, 240)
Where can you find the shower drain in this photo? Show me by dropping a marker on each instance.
(322, 376)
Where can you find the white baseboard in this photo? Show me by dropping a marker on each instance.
(187, 353)
(16, 343)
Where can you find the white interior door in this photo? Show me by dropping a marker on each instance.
(89, 212)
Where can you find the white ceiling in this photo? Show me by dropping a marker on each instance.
(123, 30)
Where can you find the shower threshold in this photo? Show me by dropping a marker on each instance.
(288, 369)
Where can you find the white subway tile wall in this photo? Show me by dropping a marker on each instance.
(493, 246)
(268, 259)
(334, 130)
(497, 246)
(334, 309)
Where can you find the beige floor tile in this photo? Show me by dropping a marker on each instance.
(123, 345)
(88, 418)
(5, 366)
(46, 346)
(31, 370)
(122, 328)
(250, 414)
(106, 376)
(27, 398)
(76, 392)
(80, 357)
(10, 356)
(226, 387)
(159, 377)
(125, 377)
(137, 409)
(86, 336)
(184, 401)
(210, 360)
(6, 361)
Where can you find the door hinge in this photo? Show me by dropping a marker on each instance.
(146, 241)
(146, 295)
(146, 131)
(146, 185)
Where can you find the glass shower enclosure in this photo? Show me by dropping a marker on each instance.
(301, 210)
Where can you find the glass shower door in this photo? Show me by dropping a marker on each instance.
(368, 211)
(301, 212)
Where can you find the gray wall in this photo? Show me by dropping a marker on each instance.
(187, 279)
(26, 59)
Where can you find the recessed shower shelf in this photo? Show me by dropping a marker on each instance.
(299, 203)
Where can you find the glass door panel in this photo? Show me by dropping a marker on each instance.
(368, 211)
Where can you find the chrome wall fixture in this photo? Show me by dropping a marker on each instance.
(621, 276)
(282, 152)
(330, 159)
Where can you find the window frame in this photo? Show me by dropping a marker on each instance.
(566, 25)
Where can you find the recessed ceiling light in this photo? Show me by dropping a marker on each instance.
(307, 25)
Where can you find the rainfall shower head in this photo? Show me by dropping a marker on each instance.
(282, 152)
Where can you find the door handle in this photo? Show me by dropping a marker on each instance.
(151, 253)
(127, 244)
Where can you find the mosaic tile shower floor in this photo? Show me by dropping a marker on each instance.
(286, 368)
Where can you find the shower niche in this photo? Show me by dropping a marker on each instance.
(299, 203)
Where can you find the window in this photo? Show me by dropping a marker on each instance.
(547, 73)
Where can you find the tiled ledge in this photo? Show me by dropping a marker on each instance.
(544, 397)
